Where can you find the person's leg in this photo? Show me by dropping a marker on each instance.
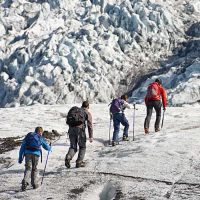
(34, 172)
(157, 107)
(73, 136)
(82, 148)
(148, 116)
(125, 123)
(116, 124)
(27, 172)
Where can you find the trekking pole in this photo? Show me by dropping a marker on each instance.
(110, 130)
(163, 119)
(134, 121)
(45, 165)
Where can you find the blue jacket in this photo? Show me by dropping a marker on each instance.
(23, 151)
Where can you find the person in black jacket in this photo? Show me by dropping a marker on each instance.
(77, 138)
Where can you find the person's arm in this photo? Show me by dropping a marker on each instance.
(21, 152)
(127, 105)
(90, 125)
(164, 97)
(45, 145)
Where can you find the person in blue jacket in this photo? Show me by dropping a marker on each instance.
(31, 150)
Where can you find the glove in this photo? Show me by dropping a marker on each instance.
(164, 108)
(20, 161)
(91, 140)
(50, 150)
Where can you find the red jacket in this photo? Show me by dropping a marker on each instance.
(159, 92)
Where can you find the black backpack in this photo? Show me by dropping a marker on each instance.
(76, 116)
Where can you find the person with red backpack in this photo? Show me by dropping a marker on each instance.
(31, 150)
(117, 108)
(155, 92)
(77, 118)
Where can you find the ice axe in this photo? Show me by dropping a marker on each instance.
(110, 129)
(134, 108)
(45, 165)
(163, 119)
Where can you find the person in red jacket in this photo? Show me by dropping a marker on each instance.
(153, 100)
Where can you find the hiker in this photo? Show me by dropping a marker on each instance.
(117, 108)
(153, 100)
(77, 119)
(31, 150)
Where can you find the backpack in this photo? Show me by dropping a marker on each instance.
(33, 141)
(152, 91)
(76, 116)
(116, 105)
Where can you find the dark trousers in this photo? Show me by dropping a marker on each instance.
(117, 119)
(77, 138)
(157, 106)
(31, 162)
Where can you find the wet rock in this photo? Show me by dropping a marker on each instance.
(51, 135)
(8, 144)
(194, 30)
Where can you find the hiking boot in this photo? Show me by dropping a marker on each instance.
(80, 164)
(146, 131)
(157, 129)
(67, 163)
(24, 185)
(125, 138)
(114, 143)
(35, 186)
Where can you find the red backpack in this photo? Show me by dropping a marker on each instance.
(153, 91)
